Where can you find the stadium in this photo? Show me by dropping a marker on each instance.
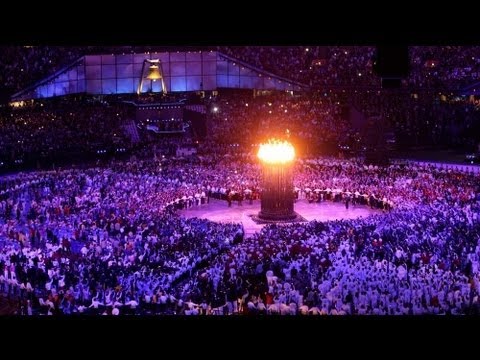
(239, 180)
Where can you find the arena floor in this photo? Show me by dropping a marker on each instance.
(219, 211)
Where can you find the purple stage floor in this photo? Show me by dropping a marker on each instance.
(219, 211)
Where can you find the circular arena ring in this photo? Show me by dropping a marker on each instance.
(114, 240)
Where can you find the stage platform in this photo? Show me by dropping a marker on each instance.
(219, 211)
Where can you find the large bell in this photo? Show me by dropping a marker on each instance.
(153, 73)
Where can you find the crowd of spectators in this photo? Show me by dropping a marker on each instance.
(107, 240)
(421, 119)
(440, 67)
(424, 113)
(317, 122)
(49, 130)
(430, 67)
(309, 120)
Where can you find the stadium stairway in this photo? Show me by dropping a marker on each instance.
(131, 131)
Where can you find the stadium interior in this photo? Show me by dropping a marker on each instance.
(132, 180)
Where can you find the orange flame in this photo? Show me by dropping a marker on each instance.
(276, 152)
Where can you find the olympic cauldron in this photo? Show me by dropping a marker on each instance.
(277, 196)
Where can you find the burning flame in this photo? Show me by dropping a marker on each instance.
(276, 152)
